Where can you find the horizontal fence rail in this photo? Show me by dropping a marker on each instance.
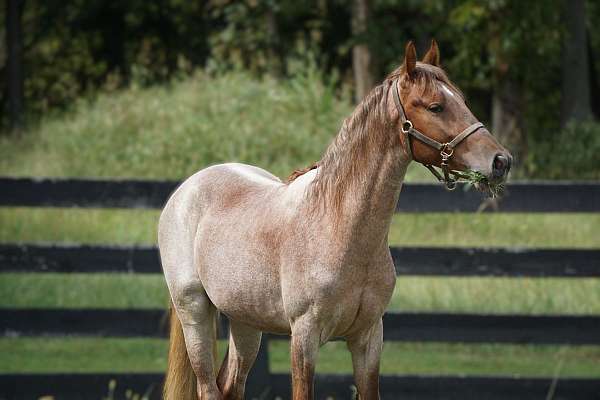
(410, 327)
(539, 196)
(93, 386)
(423, 261)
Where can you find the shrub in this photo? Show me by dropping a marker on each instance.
(573, 154)
(171, 131)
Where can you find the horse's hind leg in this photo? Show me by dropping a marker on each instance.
(198, 318)
(244, 343)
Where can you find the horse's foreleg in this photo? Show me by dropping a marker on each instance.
(304, 351)
(244, 343)
(366, 353)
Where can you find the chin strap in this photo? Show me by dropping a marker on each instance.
(446, 149)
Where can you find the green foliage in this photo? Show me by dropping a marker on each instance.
(571, 154)
(76, 49)
(73, 48)
(173, 131)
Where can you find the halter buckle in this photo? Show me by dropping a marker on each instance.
(445, 153)
(406, 126)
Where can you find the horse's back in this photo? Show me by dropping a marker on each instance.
(215, 189)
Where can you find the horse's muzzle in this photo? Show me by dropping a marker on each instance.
(501, 166)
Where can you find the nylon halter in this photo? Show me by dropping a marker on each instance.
(446, 150)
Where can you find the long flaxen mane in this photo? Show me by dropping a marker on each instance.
(364, 132)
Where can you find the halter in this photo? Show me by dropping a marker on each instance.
(446, 149)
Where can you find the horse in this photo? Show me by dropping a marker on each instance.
(309, 257)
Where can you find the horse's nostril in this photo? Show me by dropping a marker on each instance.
(501, 165)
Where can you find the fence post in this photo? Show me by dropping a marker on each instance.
(258, 385)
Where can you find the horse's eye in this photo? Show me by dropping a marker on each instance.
(435, 108)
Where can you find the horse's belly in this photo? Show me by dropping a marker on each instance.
(244, 298)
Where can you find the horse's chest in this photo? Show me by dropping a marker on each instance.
(375, 294)
(351, 300)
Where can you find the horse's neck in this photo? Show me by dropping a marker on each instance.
(362, 174)
(371, 202)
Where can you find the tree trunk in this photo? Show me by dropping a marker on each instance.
(507, 118)
(594, 84)
(361, 56)
(14, 64)
(275, 65)
(576, 103)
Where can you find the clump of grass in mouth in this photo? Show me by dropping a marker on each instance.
(481, 182)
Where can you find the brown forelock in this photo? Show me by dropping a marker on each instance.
(425, 77)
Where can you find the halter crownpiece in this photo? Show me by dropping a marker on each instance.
(446, 149)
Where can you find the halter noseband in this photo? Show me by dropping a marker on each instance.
(446, 149)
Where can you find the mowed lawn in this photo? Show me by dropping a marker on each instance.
(428, 294)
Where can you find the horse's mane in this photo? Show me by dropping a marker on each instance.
(363, 132)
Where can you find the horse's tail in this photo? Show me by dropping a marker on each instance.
(180, 382)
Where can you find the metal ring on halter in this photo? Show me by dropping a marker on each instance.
(406, 126)
(446, 155)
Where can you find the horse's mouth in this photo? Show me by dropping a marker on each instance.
(482, 183)
(490, 189)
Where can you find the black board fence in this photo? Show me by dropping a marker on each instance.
(422, 327)
(551, 196)
(393, 387)
(406, 327)
(422, 261)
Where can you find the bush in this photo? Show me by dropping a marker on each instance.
(171, 131)
(573, 154)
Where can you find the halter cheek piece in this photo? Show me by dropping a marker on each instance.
(446, 149)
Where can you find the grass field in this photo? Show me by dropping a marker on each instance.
(483, 295)
(169, 132)
(427, 294)
(149, 355)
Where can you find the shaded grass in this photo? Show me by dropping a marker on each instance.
(39, 355)
(434, 229)
(423, 294)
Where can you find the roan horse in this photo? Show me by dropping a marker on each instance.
(309, 257)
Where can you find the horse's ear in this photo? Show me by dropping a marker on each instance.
(410, 58)
(433, 55)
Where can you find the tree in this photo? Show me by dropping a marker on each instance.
(507, 103)
(14, 69)
(361, 56)
(576, 101)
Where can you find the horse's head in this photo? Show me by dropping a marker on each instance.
(435, 109)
